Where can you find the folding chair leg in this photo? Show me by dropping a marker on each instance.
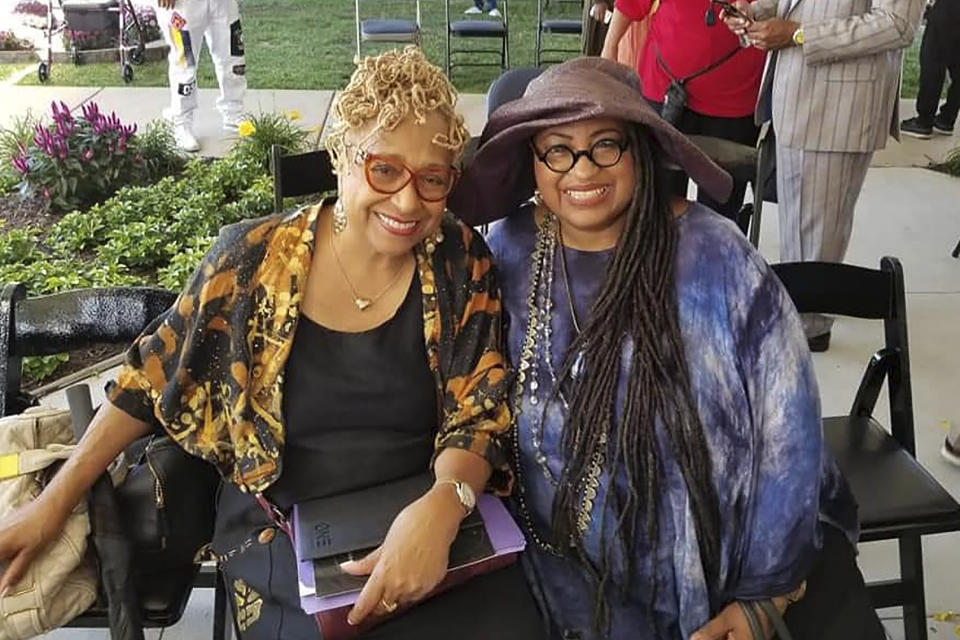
(220, 627)
(956, 251)
(911, 572)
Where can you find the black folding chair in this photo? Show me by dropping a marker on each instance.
(300, 174)
(897, 497)
(478, 29)
(551, 27)
(50, 324)
(391, 30)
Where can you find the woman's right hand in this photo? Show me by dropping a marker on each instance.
(24, 534)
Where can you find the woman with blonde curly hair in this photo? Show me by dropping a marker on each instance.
(349, 344)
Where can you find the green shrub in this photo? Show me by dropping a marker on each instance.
(152, 235)
(259, 133)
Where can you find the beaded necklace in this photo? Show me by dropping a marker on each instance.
(538, 339)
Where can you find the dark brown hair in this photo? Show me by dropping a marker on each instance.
(637, 302)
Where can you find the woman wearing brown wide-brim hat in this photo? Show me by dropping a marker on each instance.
(669, 451)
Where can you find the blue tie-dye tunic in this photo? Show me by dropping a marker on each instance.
(753, 383)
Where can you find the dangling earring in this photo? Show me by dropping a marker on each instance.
(537, 198)
(339, 217)
(437, 237)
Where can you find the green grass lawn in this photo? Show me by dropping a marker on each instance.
(295, 44)
(6, 70)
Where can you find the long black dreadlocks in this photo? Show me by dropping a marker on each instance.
(637, 302)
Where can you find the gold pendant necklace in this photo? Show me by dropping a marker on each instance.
(361, 302)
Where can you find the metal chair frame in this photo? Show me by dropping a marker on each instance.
(503, 36)
(543, 29)
(413, 37)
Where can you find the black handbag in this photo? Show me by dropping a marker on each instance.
(169, 502)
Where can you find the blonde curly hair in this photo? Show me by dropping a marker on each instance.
(388, 88)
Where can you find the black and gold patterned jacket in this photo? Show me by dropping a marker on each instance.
(210, 369)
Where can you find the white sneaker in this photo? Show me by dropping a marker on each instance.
(495, 13)
(473, 11)
(185, 139)
(232, 123)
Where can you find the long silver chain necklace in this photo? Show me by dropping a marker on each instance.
(537, 339)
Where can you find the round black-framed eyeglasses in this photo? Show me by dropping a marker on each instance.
(560, 158)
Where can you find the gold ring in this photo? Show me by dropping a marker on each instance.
(390, 607)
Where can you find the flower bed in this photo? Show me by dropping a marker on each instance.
(144, 234)
(10, 42)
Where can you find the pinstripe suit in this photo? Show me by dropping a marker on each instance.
(833, 102)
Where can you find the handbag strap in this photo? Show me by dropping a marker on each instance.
(775, 619)
(756, 629)
(276, 515)
(707, 69)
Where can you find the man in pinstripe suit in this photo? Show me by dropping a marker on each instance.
(831, 88)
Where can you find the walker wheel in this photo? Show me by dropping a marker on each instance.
(136, 55)
(43, 72)
(127, 73)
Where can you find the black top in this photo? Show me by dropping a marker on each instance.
(360, 408)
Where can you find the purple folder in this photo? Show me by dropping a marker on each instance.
(505, 538)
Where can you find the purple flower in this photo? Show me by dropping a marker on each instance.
(20, 164)
(91, 112)
(87, 155)
(46, 193)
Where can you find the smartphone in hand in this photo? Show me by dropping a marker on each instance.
(731, 10)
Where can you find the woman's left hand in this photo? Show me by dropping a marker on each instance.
(413, 557)
(731, 624)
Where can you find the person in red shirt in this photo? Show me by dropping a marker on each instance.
(686, 38)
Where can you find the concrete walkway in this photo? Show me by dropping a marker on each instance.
(904, 211)
(144, 104)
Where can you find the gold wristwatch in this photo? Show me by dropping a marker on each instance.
(798, 37)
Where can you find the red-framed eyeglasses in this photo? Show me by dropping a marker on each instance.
(389, 175)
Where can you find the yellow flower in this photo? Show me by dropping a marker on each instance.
(246, 129)
(293, 114)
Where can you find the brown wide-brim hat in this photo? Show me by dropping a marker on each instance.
(500, 177)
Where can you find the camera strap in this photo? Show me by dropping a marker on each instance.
(707, 69)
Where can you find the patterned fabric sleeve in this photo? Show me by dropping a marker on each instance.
(780, 533)
(174, 371)
(472, 364)
(143, 374)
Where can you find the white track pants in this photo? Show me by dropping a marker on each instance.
(184, 28)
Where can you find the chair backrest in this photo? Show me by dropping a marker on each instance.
(509, 86)
(388, 36)
(878, 294)
(60, 322)
(300, 174)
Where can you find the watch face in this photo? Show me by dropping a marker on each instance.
(469, 500)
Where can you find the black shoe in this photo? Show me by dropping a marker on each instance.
(916, 129)
(820, 343)
(941, 127)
